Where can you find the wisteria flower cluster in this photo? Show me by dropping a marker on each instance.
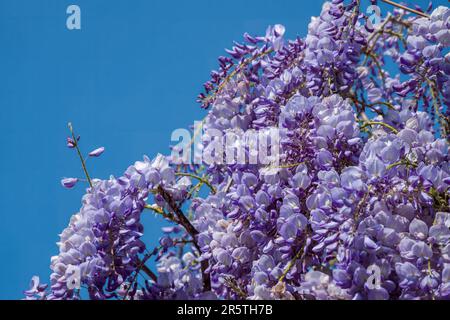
(357, 208)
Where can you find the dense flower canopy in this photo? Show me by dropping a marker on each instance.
(363, 179)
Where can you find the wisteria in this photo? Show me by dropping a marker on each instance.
(357, 205)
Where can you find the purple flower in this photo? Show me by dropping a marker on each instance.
(69, 183)
(360, 184)
(97, 152)
(72, 143)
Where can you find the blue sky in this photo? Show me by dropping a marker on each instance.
(126, 80)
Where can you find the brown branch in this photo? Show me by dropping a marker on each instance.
(143, 267)
(180, 215)
(149, 272)
(192, 232)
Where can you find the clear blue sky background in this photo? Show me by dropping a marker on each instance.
(126, 80)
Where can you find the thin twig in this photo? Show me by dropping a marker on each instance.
(291, 263)
(401, 162)
(437, 105)
(83, 163)
(201, 179)
(372, 123)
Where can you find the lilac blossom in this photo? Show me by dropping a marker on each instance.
(363, 180)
